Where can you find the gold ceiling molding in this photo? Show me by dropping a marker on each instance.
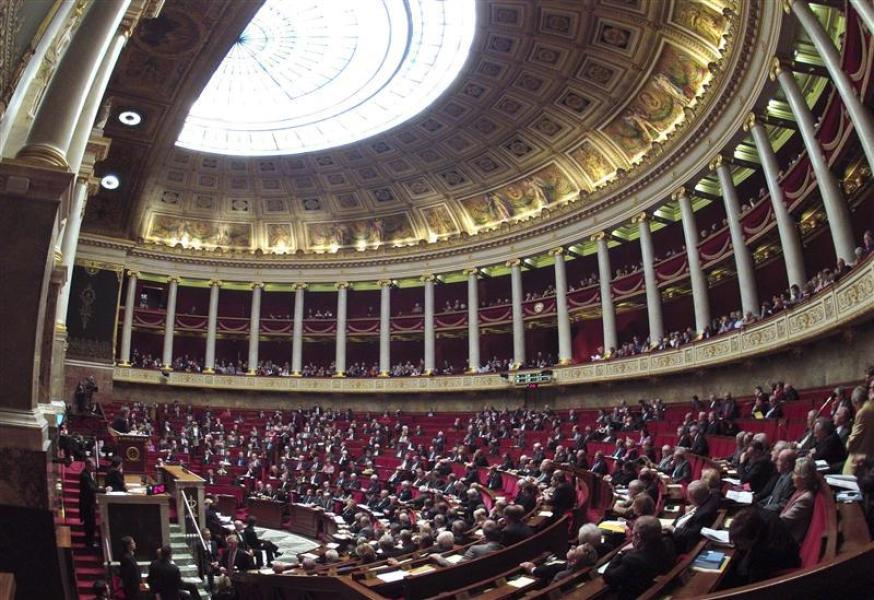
(558, 107)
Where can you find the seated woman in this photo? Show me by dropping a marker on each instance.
(799, 509)
(764, 547)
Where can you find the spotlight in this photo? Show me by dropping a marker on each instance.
(110, 182)
(130, 118)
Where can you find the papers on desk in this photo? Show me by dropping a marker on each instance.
(720, 536)
(603, 568)
(731, 480)
(521, 582)
(740, 497)
(544, 513)
(332, 545)
(710, 561)
(821, 465)
(613, 526)
(309, 555)
(666, 522)
(339, 521)
(846, 482)
(421, 570)
(453, 559)
(392, 576)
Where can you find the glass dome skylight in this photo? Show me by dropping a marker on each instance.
(308, 75)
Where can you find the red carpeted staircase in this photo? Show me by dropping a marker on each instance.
(87, 564)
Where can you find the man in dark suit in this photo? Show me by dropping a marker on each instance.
(121, 422)
(234, 558)
(88, 490)
(257, 545)
(164, 576)
(207, 555)
(682, 472)
(514, 530)
(630, 573)
(699, 442)
(686, 529)
(129, 571)
(491, 543)
(758, 468)
(828, 445)
(578, 558)
(563, 497)
(115, 476)
(599, 466)
(526, 497)
(778, 494)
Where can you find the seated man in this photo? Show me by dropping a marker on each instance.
(775, 498)
(578, 558)
(682, 472)
(630, 573)
(757, 467)
(701, 512)
(491, 543)
(622, 505)
(514, 529)
(828, 445)
(257, 545)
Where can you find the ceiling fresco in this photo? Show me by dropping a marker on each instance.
(555, 101)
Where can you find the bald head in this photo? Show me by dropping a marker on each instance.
(697, 492)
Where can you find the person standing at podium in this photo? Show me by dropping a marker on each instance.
(121, 422)
(88, 490)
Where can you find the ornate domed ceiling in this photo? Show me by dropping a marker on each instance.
(557, 105)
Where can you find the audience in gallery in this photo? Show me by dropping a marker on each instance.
(329, 458)
(735, 320)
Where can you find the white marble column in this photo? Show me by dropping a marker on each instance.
(790, 240)
(54, 29)
(92, 105)
(52, 131)
(653, 295)
(743, 260)
(563, 321)
(608, 310)
(384, 328)
(836, 208)
(85, 186)
(297, 332)
(169, 323)
(127, 324)
(340, 356)
(865, 8)
(428, 280)
(473, 361)
(700, 296)
(254, 328)
(211, 326)
(859, 115)
(518, 315)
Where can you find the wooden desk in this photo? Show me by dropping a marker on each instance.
(267, 513)
(145, 518)
(311, 522)
(179, 480)
(853, 527)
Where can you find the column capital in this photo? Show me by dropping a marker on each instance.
(132, 273)
(91, 183)
(776, 69)
(215, 283)
(383, 283)
(716, 162)
(300, 285)
(471, 271)
(426, 277)
(514, 262)
(256, 284)
(560, 251)
(643, 217)
(597, 237)
(173, 279)
(750, 121)
(340, 285)
(679, 194)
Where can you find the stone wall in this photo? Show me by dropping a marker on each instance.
(839, 359)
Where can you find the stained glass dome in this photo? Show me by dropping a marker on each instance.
(308, 75)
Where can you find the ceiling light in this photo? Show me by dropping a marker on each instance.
(110, 182)
(131, 118)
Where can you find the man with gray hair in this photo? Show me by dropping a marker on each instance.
(775, 496)
(701, 512)
(590, 534)
(491, 543)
